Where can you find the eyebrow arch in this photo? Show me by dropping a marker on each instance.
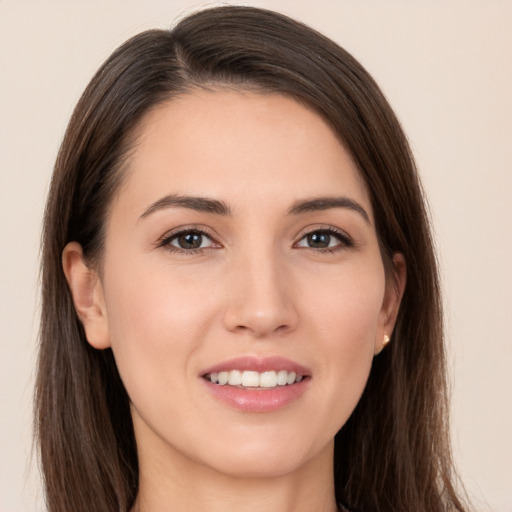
(326, 203)
(200, 204)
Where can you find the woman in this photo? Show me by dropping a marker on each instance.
(235, 231)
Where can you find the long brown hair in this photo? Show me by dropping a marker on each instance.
(393, 454)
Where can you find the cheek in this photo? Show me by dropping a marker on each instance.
(156, 322)
(346, 310)
(345, 323)
(153, 304)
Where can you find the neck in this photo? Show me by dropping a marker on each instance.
(171, 481)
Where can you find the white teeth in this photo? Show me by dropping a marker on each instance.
(251, 379)
(282, 375)
(291, 378)
(268, 380)
(223, 378)
(235, 378)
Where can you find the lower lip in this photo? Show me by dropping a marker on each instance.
(258, 400)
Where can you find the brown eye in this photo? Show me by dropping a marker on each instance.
(190, 240)
(325, 239)
(318, 240)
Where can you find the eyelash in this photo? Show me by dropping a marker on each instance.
(166, 240)
(345, 242)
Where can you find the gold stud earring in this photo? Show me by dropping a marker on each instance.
(385, 341)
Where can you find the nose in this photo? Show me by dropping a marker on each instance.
(261, 301)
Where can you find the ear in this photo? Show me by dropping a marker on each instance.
(395, 286)
(87, 291)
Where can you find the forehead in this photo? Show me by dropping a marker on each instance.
(239, 146)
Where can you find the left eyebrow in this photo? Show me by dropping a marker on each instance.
(326, 203)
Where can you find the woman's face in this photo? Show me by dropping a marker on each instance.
(241, 246)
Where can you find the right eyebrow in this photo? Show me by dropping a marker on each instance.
(199, 204)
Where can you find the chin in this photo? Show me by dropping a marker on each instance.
(271, 459)
(264, 465)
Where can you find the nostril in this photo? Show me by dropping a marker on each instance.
(260, 330)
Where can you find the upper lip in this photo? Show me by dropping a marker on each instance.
(258, 364)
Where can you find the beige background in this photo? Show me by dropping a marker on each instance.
(446, 68)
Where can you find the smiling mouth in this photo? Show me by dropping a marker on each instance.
(254, 380)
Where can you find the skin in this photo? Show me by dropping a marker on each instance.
(256, 287)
